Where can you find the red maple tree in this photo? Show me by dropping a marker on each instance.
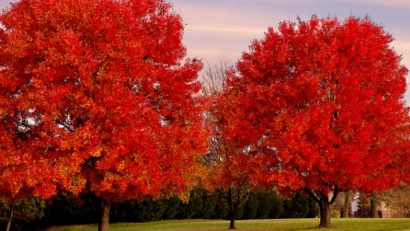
(96, 95)
(237, 164)
(235, 169)
(324, 96)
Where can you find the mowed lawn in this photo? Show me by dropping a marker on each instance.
(353, 224)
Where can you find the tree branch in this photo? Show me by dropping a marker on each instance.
(314, 195)
(335, 193)
(64, 125)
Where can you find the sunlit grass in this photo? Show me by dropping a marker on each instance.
(353, 224)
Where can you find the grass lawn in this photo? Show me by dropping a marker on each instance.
(353, 224)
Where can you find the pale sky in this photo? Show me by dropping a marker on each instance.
(220, 30)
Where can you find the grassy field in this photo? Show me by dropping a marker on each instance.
(252, 225)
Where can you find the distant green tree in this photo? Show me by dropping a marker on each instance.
(209, 205)
(150, 210)
(251, 207)
(21, 212)
(299, 206)
(277, 208)
(267, 199)
(173, 206)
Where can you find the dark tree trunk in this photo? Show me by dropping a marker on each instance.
(233, 203)
(104, 223)
(324, 207)
(346, 205)
(373, 206)
(10, 218)
(232, 223)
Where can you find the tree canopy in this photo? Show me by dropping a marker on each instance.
(97, 96)
(323, 97)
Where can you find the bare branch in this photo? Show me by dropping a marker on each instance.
(214, 78)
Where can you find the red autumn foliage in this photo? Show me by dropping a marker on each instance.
(325, 96)
(234, 169)
(238, 159)
(97, 95)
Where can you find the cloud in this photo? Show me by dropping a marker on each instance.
(403, 47)
(4, 4)
(225, 13)
(229, 29)
(388, 3)
(208, 54)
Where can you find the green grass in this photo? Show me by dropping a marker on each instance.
(353, 224)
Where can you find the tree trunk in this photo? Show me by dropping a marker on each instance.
(346, 205)
(324, 206)
(10, 218)
(233, 208)
(373, 206)
(103, 225)
(232, 223)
